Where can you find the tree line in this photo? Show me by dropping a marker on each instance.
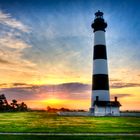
(13, 106)
(51, 109)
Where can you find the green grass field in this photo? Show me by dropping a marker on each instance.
(44, 122)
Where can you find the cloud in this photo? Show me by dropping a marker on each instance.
(114, 80)
(124, 85)
(3, 85)
(22, 91)
(13, 42)
(73, 87)
(12, 51)
(8, 20)
(21, 85)
(4, 61)
(74, 91)
(120, 95)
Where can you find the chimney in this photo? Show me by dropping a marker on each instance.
(97, 98)
(116, 99)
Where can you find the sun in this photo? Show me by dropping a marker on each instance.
(52, 101)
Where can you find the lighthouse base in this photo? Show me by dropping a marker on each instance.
(106, 111)
(106, 108)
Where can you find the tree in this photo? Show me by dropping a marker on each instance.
(14, 104)
(3, 103)
(22, 107)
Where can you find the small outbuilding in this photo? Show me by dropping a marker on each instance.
(106, 108)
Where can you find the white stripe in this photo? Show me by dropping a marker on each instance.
(100, 66)
(102, 94)
(99, 38)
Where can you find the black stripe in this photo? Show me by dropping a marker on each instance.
(100, 82)
(99, 29)
(99, 24)
(100, 52)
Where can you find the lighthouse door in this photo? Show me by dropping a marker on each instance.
(108, 111)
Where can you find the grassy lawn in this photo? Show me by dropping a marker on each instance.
(22, 137)
(44, 122)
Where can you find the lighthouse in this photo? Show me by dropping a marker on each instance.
(100, 98)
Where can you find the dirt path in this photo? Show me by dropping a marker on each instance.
(72, 134)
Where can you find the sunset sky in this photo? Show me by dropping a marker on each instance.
(46, 51)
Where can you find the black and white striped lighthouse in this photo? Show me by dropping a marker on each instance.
(100, 80)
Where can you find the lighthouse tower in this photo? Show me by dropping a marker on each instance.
(100, 99)
(100, 82)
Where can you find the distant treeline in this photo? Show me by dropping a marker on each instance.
(11, 107)
(50, 109)
(131, 111)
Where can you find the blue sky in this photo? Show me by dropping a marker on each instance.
(68, 22)
(51, 42)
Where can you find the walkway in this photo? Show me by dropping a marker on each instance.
(71, 134)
